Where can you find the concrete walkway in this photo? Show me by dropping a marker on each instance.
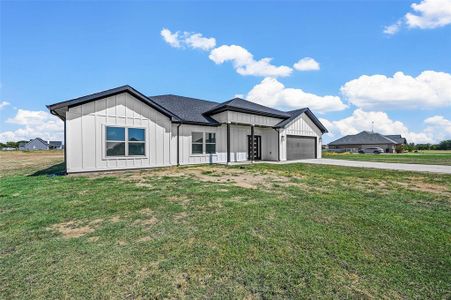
(379, 165)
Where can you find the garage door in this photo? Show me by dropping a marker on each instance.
(300, 147)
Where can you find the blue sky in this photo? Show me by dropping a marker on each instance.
(53, 51)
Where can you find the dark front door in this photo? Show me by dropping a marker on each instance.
(256, 146)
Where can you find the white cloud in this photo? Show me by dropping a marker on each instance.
(394, 28)
(430, 89)
(197, 41)
(306, 64)
(33, 124)
(192, 40)
(4, 104)
(428, 14)
(244, 63)
(171, 38)
(273, 93)
(438, 128)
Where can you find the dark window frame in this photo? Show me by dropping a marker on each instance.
(126, 142)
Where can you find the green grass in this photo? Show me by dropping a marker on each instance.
(424, 157)
(301, 231)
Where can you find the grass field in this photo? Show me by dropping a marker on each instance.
(260, 231)
(422, 157)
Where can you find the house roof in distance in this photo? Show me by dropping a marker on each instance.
(364, 138)
(188, 110)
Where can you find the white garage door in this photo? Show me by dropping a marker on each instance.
(301, 147)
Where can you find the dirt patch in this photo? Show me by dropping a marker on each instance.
(217, 174)
(122, 243)
(93, 239)
(420, 186)
(73, 229)
(180, 216)
(115, 219)
(146, 222)
(145, 239)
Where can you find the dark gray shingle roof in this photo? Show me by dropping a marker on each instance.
(295, 113)
(238, 104)
(363, 138)
(187, 109)
(54, 108)
(397, 138)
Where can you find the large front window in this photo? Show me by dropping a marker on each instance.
(203, 142)
(122, 141)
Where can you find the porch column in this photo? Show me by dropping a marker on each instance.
(252, 143)
(228, 143)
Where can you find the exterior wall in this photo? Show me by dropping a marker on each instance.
(85, 134)
(238, 143)
(35, 145)
(243, 118)
(302, 126)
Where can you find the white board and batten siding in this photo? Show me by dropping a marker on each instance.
(301, 126)
(244, 118)
(85, 134)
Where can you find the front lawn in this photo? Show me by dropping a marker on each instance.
(424, 157)
(260, 231)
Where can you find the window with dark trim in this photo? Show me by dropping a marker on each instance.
(123, 141)
(197, 142)
(203, 143)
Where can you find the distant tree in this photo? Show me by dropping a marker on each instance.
(400, 148)
(12, 144)
(444, 145)
(409, 147)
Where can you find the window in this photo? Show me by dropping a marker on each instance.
(203, 143)
(210, 143)
(115, 141)
(121, 141)
(136, 141)
(197, 146)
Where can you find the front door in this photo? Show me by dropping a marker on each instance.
(256, 146)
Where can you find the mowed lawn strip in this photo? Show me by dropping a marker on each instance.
(424, 157)
(260, 231)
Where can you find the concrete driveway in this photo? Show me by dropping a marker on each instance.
(379, 165)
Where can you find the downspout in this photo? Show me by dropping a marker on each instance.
(278, 142)
(178, 144)
(65, 147)
(228, 143)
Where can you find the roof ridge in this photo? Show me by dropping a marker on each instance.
(186, 97)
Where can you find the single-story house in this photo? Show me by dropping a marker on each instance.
(40, 144)
(123, 129)
(367, 139)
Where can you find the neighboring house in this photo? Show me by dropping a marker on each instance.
(124, 129)
(40, 144)
(22, 145)
(54, 145)
(35, 144)
(366, 139)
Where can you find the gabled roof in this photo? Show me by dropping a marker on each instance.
(363, 138)
(41, 140)
(188, 110)
(296, 113)
(397, 138)
(56, 107)
(241, 105)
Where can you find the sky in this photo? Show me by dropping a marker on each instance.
(358, 65)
